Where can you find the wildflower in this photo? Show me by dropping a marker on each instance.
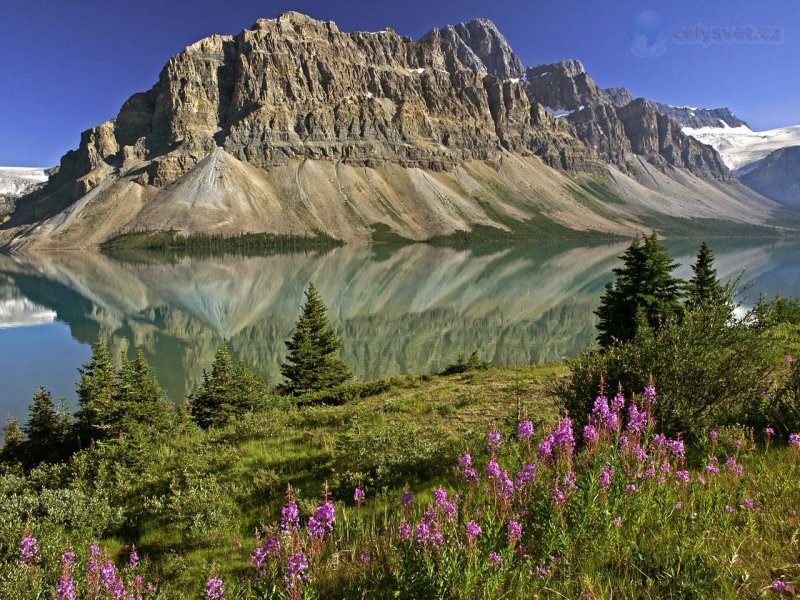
(514, 532)
(465, 462)
(768, 433)
(733, 468)
(111, 581)
(67, 558)
(542, 572)
(649, 395)
(712, 435)
(422, 533)
(559, 497)
(133, 558)
(359, 496)
(617, 522)
(794, 440)
(493, 441)
(439, 497)
(631, 488)
(637, 420)
(29, 550)
(296, 571)
(729, 509)
(493, 469)
(263, 552)
(322, 521)
(405, 531)
(678, 505)
(590, 435)
(604, 481)
(65, 590)
(526, 476)
(473, 531)
(779, 586)
(525, 429)
(618, 402)
(748, 503)
(365, 558)
(495, 560)
(712, 466)
(683, 476)
(290, 516)
(407, 499)
(563, 437)
(545, 448)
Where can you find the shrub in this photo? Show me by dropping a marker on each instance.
(712, 367)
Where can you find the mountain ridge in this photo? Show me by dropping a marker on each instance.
(313, 129)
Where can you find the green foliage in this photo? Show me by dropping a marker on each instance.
(313, 363)
(228, 391)
(48, 430)
(13, 441)
(462, 365)
(644, 293)
(96, 416)
(703, 288)
(711, 369)
(780, 406)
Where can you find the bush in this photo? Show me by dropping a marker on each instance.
(710, 368)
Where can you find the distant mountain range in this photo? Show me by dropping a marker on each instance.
(295, 127)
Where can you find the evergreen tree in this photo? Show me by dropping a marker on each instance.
(139, 400)
(703, 288)
(45, 429)
(13, 441)
(97, 414)
(312, 363)
(228, 391)
(644, 293)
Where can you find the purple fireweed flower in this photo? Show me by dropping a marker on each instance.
(779, 586)
(733, 468)
(449, 509)
(559, 497)
(617, 522)
(545, 448)
(649, 395)
(65, 590)
(618, 403)
(569, 481)
(495, 560)
(794, 440)
(473, 531)
(322, 521)
(748, 503)
(133, 558)
(769, 431)
(365, 558)
(67, 558)
(678, 505)
(429, 517)
(290, 516)
(683, 476)
(296, 571)
(493, 470)
(729, 509)
(649, 473)
(590, 435)
(110, 580)
(677, 448)
(262, 553)
(641, 454)
(214, 589)
(700, 479)
(493, 441)
(359, 496)
(623, 441)
(563, 437)
(405, 531)
(542, 572)
(514, 532)
(631, 488)
(526, 476)
(604, 481)
(29, 550)
(422, 533)
(713, 435)
(712, 467)
(637, 420)
(407, 499)
(525, 429)
(439, 497)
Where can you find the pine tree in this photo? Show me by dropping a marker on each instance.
(213, 403)
(97, 414)
(13, 441)
(703, 288)
(312, 363)
(44, 430)
(139, 400)
(644, 293)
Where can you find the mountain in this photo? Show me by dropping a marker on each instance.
(16, 182)
(740, 146)
(777, 175)
(295, 127)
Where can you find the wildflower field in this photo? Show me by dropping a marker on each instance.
(525, 507)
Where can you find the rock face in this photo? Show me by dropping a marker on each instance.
(479, 46)
(293, 126)
(777, 176)
(688, 116)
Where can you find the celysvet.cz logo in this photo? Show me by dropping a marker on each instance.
(746, 34)
(650, 35)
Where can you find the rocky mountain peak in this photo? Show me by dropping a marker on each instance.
(480, 46)
(563, 85)
(618, 96)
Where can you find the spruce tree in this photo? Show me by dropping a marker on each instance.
(312, 363)
(97, 414)
(703, 288)
(213, 403)
(644, 293)
(139, 399)
(13, 441)
(44, 430)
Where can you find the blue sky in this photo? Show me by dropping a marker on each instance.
(68, 65)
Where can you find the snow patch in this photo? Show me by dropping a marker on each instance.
(18, 181)
(369, 95)
(417, 71)
(741, 146)
(512, 80)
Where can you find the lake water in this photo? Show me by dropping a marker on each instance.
(408, 309)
